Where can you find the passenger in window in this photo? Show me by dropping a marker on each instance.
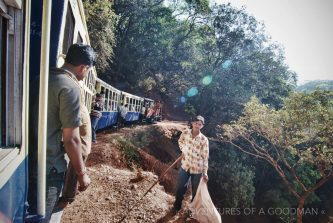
(96, 113)
(64, 122)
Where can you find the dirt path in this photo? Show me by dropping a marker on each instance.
(114, 188)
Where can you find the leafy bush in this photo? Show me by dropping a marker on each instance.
(130, 153)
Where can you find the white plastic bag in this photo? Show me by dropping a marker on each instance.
(202, 207)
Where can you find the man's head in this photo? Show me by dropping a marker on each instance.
(81, 58)
(198, 122)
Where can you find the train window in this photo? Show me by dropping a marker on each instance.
(89, 79)
(86, 99)
(11, 81)
(3, 46)
(106, 100)
(79, 38)
(3, 43)
(109, 100)
(69, 30)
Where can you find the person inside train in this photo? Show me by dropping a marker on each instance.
(96, 113)
(64, 121)
(122, 114)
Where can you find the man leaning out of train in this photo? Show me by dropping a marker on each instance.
(64, 121)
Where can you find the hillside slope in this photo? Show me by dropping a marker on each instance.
(118, 184)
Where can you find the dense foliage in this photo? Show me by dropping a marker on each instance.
(296, 140)
(101, 21)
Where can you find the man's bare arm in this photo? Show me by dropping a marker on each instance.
(72, 144)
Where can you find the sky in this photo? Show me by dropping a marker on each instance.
(303, 27)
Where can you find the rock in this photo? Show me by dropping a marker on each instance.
(134, 187)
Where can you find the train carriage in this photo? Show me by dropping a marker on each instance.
(35, 35)
(115, 98)
(134, 106)
(14, 40)
(110, 111)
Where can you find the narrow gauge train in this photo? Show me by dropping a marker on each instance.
(114, 98)
(35, 35)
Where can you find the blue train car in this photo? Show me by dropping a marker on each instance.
(34, 36)
(134, 106)
(110, 111)
(14, 40)
(114, 99)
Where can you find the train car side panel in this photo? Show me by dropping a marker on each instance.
(108, 119)
(13, 196)
(132, 116)
(13, 95)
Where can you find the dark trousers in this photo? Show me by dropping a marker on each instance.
(70, 185)
(94, 122)
(54, 182)
(183, 177)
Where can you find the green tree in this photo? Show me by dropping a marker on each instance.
(151, 43)
(242, 62)
(230, 177)
(172, 48)
(101, 22)
(296, 140)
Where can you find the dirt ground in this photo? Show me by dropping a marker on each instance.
(115, 189)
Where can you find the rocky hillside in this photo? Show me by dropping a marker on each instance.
(122, 166)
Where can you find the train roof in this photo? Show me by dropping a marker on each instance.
(107, 85)
(103, 83)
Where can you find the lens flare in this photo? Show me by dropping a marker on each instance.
(192, 91)
(207, 80)
(182, 99)
(227, 64)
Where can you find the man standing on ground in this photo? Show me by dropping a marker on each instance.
(194, 165)
(64, 121)
(96, 113)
